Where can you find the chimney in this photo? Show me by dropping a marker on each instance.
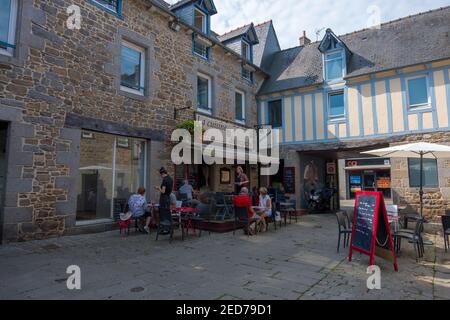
(304, 40)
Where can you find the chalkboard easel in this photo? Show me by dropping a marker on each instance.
(289, 180)
(371, 233)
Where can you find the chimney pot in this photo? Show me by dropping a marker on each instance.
(304, 40)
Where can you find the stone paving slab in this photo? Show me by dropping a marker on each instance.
(297, 262)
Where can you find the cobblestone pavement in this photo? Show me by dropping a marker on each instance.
(297, 262)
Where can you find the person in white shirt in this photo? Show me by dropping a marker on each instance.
(265, 204)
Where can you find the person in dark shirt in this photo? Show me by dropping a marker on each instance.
(164, 199)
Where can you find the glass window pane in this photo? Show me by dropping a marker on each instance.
(130, 163)
(334, 69)
(430, 173)
(203, 93)
(131, 68)
(96, 171)
(275, 114)
(199, 21)
(337, 107)
(417, 90)
(5, 16)
(246, 50)
(200, 49)
(239, 106)
(109, 4)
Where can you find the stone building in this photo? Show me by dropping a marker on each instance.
(361, 91)
(86, 115)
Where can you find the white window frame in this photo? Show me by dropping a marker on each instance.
(326, 60)
(204, 22)
(244, 107)
(12, 29)
(205, 77)
(142, 50)
(423, 105)
(336, 117)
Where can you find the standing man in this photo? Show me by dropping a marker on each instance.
(241, 180)
(164, 199)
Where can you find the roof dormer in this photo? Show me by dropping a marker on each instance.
(196, 13)
(241, 40)
(336, 55)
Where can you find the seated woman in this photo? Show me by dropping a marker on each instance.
(265, 202)
(139, 209)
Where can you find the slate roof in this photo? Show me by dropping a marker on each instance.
(262, 30)
(408, 41)
(236, 33)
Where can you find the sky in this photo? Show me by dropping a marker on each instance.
(291, 17)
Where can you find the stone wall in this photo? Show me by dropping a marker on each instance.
(60, 71)
(436, 200)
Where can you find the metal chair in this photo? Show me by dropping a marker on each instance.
(167, 225)
(206, 211)
(350, 217)
(241, 219)
(221, 207)
(446, 227)
(344, 229)
(414, 238)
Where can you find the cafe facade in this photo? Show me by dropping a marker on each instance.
(86, 115)
(87, 112)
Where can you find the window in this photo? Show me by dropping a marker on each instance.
(336, 105)
(132, 62)
(240, 106)
(246, 53)
(334, 66)
(109, 174)
(418, 92)
(275, 114)
(200, 21)
(201, 49)
(430, 173)
(247, 75)
(110, 5)
(204, 93)
(8, 18)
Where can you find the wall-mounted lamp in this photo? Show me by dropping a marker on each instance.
(174, 25)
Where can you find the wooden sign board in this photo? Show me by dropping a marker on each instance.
(371, 233)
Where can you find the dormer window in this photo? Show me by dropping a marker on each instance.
(335, 56)
(334, 66)
(200, 21)
(246, 51)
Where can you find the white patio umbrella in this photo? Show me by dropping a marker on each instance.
(415, 150)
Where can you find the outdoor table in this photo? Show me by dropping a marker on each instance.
(287, 208)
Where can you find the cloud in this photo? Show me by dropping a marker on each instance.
(291, 17)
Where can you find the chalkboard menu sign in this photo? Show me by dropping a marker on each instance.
(289, 180)
(365, 214)
(371, 234)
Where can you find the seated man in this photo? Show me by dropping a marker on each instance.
(139, 209)
(243, 200)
